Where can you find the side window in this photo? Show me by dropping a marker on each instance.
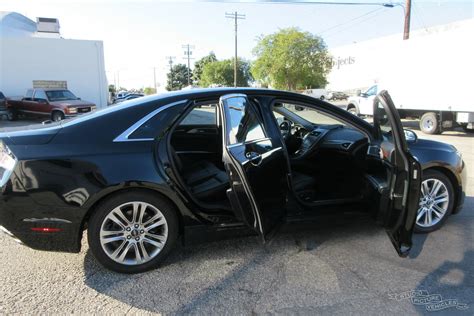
(29, 95)
(372, 91)
(201, 115)
(305, 112)
(40, 95)
(242, 122)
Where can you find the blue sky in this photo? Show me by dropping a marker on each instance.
(139, 34)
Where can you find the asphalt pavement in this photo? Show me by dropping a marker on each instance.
(338, 267)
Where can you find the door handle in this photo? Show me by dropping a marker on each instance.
(254, 158)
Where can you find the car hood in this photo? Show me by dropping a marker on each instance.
(72, 103)
(30, 135)
(425, 144)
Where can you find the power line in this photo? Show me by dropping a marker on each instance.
(354, 19)
(236, 16)
(351, 26)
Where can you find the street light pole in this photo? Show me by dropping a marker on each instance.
(236, 17)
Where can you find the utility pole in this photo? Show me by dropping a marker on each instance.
(236, 17)
(406, 30)
(170, 62)
(187, 55)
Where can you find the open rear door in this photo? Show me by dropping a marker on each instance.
(255, 163)
(404, 174)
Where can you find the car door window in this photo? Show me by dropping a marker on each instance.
(29, 95)
(372, 91)
(201, 115)
(40, 95)
(243, 122)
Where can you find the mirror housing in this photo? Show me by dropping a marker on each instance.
(358, 93)
(410, 136)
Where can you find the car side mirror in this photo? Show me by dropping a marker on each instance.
(410, 136)
(358, 93)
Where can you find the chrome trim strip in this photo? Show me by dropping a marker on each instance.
(124, 136)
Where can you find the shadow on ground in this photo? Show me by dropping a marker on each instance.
(194, 278)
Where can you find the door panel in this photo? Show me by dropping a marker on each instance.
(404, 175)
(257, 167)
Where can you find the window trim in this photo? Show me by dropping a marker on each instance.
(124, 136)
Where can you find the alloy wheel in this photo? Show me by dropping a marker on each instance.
(434, 203)
(133, 233)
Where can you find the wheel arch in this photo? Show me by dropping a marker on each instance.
(353, 105)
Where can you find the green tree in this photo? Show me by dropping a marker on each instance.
(112, 88)
(177, 77)
(149, 90)
(199, 66)
(291, 59)
(221, 73)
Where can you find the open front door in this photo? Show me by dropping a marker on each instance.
(255, 163)
(404, 174)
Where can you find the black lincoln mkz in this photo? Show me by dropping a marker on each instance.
(141, 174)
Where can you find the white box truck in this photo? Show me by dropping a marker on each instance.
(429, 78)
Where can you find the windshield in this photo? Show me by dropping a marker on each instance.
(60, 95)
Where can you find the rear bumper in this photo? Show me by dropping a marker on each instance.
(37, 226)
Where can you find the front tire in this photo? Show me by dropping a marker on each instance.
(353, 111)
(57, 116)
(436, 201)
(133, 232)
(429, 123)
(12, 115)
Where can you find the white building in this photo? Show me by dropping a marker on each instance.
(433, 53)
(34, 53)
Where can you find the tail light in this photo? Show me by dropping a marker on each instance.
(7, 163)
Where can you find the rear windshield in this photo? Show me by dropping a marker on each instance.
(60, 95)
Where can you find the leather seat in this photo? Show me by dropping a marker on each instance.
(203, 178)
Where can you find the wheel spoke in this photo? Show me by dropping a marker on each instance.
(115, 219)
(115, 254)
(161, 238)
(437, 212)
(154, 243)
(111, 239)
(124, 253)
(429, 217)
(436, 186)
(151, 220)
(107, 233)
(439, 209)
(424, 188)
(118, 212)
(420, 214)
(146, 256)
(440, 200)
(154, 225)
(138, 256)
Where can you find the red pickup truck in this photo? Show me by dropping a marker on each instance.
(57, 104)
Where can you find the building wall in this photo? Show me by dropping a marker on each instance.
(79, 62)
(439, 57)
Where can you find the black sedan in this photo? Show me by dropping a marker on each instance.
(141, 174)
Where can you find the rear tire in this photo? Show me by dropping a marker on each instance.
(141, 241)
(12, 115)
(321, 97)
(429, 123)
